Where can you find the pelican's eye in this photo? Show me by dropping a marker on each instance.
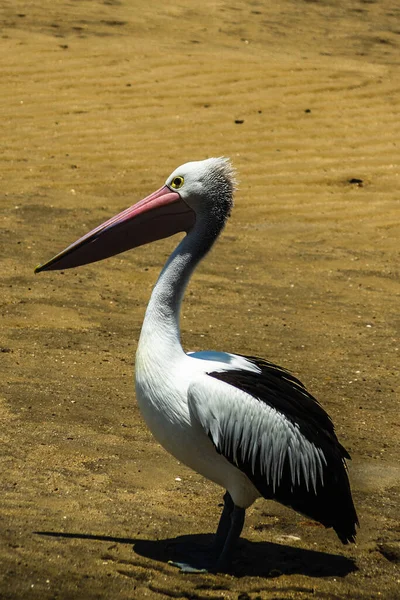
(177, 182)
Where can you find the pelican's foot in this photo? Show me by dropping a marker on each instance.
(186, 568)
(192, 557)
(203, 562)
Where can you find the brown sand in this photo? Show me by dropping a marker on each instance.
(99, 102)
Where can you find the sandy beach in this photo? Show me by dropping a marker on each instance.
(100, 101)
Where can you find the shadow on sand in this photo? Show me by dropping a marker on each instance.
(257, 559)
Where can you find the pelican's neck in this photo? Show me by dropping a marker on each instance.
(160, 334)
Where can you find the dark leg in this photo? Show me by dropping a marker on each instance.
(224, 525)
(229, 529)
(237, 521)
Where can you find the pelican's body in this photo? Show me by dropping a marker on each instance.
(168, 412)
(242, 422)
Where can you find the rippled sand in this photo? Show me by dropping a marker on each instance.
(99, 102)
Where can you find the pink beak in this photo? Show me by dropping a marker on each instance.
(160, 215)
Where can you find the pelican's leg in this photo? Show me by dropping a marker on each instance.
(229, 529)
(236, 525)
(224, 525)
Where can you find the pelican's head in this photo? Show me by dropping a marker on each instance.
(196, 190)
(207, 186)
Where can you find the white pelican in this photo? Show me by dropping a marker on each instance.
(242, 422)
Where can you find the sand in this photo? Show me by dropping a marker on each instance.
(99, 102)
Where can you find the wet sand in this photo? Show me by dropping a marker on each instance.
(99, 102)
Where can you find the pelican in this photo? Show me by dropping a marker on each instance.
(241, 421)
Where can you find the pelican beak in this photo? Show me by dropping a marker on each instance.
(160, 215)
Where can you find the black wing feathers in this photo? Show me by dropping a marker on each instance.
(330, 502)
(281, 390)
